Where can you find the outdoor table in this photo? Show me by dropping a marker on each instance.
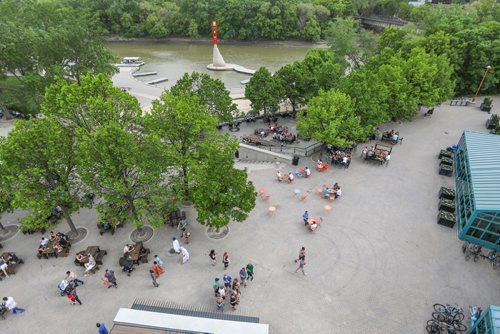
(11, 267)
(94, 250)
(447, 205)
(446, 218)
(136, 253)
(447, 193)
(50, 250)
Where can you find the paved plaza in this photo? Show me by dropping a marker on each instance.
(377, 264)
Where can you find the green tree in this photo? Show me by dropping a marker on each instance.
(330, 119)
(39, 157)
(264, 92)
(42, 40)
(221, 193)
(312, 30)
(183, 124)
(293, 82)
(211, 92)
(320, 72)
(5, 194)
(117, 160)
(370, 96)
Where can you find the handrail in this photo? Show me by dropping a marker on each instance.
(304, 151)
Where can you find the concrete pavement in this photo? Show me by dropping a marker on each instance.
(376, 265)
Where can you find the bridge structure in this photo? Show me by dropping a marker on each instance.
(377, 22)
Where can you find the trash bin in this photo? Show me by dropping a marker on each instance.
(295, 160)
(237, 154)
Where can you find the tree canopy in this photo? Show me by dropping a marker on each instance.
(264, 92)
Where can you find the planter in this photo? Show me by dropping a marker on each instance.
(446, 219)
(447, 193)
(484, 107)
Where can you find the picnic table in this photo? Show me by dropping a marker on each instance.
(11, 267)
(48, 251)
(96, 252)
(139, 253)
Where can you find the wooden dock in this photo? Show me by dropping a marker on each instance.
(155, 81)
(144, 74)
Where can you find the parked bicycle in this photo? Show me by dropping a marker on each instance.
(471, 250)
(494, 258)
(436, 327)
(446, 319)
(449, 310)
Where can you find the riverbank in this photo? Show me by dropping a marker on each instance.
(208, 41)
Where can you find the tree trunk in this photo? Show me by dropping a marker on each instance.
(133, 210)
(3, 230)
(185, 182)
(71, 224)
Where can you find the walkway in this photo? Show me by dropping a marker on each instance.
(376, 265)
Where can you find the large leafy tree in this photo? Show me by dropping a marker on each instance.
(330, 119)
(42, 40)
(211, 92)
(118, 161)
(221, 193)
(369, 94)
(293, 82)
(320, 70)
(40, 161)
(183, 124)
(264, 92)
(5, 194)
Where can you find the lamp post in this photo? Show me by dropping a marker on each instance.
(481, 83)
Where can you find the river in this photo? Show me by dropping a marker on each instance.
(171, 59)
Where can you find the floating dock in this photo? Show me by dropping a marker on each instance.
(155, 81)
(231, 67)
(144, 74)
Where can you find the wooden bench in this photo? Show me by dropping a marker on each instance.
(100, 256)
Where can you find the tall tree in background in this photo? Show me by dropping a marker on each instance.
(264, 92)
(211, 92)
(40, 159)
(221, 193)
(320, 71)
(42, 40)
(330, 119)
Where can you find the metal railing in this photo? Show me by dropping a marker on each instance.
(303, 151)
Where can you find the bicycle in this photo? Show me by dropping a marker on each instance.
(436, 327)
(448, 318)
(470, 249)
(449, 310)
(494, 259)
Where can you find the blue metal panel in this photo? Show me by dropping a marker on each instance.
(483, 153)
(488, 323)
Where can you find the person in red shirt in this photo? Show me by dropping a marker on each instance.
(157, 269)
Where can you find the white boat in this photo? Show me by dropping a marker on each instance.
(131, 62)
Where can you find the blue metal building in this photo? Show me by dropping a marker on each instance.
(488, 322)
(477, 189)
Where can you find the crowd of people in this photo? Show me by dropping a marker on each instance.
(230, 288)
(375, 153)
(58, 241)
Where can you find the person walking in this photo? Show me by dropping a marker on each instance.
(213, 257)
(73, 296)
(225, 260)
(302, 254)
(153, 277)
(220, 303)
(158, 260)
(175, 245)
(227, 281)
(102, 328)
(302, 263)
(157, 269)
(305, 217)
(236, 286)
(243, 277)
(185, 255)
(11, 304)
(110, 276)
(249, 269)
(216, 286)
(233, 300)
(221, 292)
(71, 277)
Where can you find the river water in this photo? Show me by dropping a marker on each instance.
(174, 58)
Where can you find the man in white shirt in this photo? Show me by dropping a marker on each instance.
(176, 245)
(307, 171)
(290, 177)
(338, 193)
(10, 303)
(185, 255)
(387, 158)
(44, 241)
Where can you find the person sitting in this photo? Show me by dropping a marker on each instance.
(90, 264)
(326, 192)
(395, 137)
(307, 171)
(345, 159)
(391, 133)
(313, 224)
(338, 193)
(370, 153)
(4, 266)
(127, 265)
(42, 249)
(279, 176)
(290, 177)
(320, 164)
(63, 241)
(52, 236)
(58, 248)
(336, 186)
(13, 259)
(127, 249)
(44, 241)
